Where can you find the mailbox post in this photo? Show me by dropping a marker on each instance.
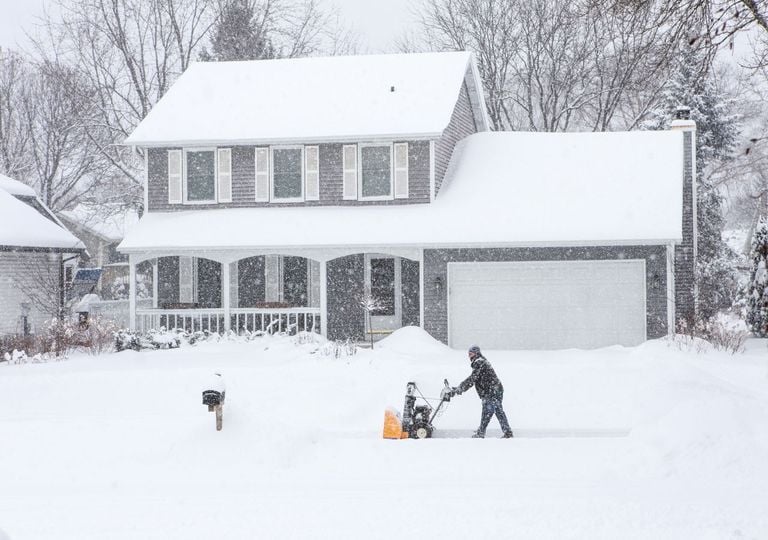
(213, 397)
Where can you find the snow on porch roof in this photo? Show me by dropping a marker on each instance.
(307, 99)
(502, 189)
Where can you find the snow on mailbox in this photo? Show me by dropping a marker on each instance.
(213, 396)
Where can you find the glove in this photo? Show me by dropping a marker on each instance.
(455, 391)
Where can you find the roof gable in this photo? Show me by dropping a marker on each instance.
(311, 99)
(21, 226)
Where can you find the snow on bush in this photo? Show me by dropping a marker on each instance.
(757, 292)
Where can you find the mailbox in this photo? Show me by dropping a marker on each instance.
(213, 397)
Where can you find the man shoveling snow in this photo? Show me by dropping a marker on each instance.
(489, 389)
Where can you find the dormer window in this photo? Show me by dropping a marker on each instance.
(288, 173)
(376, 172)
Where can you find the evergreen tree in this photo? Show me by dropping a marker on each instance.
(237, 34)
(717, 128)
(757, 298)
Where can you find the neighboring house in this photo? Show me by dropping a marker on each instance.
(285, 192)
(102, 228)
(37, 255)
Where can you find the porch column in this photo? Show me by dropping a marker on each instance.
(421, 289)
(155, 283)
(225, 296)
(132, 292)
(324, 298)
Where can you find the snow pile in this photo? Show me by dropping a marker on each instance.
(302, 438)
(413, 341)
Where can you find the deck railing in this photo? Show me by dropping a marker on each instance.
(268, 320)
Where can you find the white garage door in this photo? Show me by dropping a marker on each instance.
(546, 305)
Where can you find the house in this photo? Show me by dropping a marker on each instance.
(287, 193)
(37, 256)
(102, 228)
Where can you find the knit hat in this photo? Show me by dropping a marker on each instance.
(475, 350)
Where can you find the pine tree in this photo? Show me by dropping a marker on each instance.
(717, 128)
(237, 35)
(757, 298)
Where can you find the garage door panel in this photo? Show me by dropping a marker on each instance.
(547, 304)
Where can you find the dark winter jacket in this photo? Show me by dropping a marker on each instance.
(483, 378)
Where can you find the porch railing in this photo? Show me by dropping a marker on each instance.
(269, 320)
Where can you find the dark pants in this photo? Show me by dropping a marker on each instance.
(492, 405)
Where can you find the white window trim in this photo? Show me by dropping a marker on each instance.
(272, 197)
(391, 195)
(315, 148)
(215, 174)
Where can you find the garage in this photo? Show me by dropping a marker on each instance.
(547, 304)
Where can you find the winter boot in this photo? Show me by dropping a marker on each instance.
(507, 435)
(478, 435)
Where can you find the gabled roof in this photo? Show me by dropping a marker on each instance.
(312, 99)
(502, 189)
(21, 226)
(105, 221)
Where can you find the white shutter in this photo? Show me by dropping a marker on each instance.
(401, 170)
(225, 174)
(312, 173)
(262, 174)
(350, 171)
(174, 176)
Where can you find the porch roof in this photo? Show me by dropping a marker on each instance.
(502, 189)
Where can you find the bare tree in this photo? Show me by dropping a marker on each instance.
(129, 52)
(64, 160)
(555, 66)
(14, 136)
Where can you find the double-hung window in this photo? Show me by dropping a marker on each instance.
(287, 173)
(200, 175)
(375, 171)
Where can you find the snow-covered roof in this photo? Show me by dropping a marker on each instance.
(24, 227)
(14, 187)
(502, 189)
(105, 221)
(311, 99)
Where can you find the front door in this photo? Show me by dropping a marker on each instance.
(382, 279)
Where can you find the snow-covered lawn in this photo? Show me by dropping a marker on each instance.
(663, 444)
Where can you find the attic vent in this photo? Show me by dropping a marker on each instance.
(391, 88)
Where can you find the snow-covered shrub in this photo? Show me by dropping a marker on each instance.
(338, 349)
(98, 335)
(156, 339)
(307, 338)
(757, 291)
(716, 333)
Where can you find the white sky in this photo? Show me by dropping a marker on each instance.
(378, 22)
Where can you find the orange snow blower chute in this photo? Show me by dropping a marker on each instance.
(393, 425)
(416, 422)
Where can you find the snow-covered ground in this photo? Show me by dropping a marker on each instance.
(645, 442)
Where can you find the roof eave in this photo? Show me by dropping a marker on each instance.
(293, 140)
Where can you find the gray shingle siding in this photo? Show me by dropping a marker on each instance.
(436, 266)
(18, 277)
(244, 179)
(461, 125)
(685, 306)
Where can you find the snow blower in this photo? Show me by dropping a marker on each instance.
(416, 421)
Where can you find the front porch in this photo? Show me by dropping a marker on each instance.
(312, 291)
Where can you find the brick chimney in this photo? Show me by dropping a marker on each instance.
(686, 252)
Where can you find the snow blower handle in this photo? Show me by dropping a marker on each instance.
(447, 392)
